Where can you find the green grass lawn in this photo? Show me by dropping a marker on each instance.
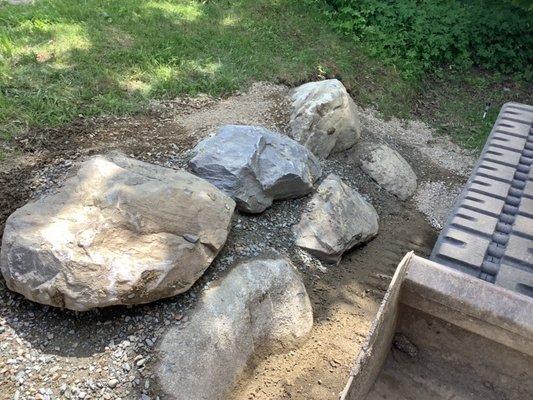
(455, 105)
(60, 59)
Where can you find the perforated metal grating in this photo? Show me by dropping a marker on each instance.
(489, 234)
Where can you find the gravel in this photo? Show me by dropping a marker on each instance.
(48, 353)
(435, 200)
(421, 138)
(442, 166)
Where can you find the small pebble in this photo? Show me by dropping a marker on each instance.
(112, 383)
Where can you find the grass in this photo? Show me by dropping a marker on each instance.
(62, 59)
(456, 105)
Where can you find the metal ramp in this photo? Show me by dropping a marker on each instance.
(489, 233)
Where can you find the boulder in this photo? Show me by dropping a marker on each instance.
(260, 306)
(255, 166)
(388, 168)
(119, 231)
(337, 218)
(324, 117)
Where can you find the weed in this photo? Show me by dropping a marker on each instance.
(421, 36)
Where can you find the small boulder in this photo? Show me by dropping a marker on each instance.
(261, 305)
(337, 219)
(388, 168)
(255, 166)
(324, 117)
(120, 231)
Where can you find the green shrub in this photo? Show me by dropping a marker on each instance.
(428, 35)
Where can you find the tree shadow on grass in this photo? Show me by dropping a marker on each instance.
(111, 58)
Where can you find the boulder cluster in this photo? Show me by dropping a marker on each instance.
(122, 232)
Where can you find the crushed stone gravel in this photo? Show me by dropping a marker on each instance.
(48, 353)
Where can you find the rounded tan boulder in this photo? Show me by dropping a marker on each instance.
(260, 307)
(324, 118)
(120, 231)
(388, 168)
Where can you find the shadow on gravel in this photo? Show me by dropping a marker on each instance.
(80, 334)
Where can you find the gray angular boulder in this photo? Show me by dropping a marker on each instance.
(119, 231)
(255, 166)
(324, 117)
(337, 218)
(388, 168)
(261, 305)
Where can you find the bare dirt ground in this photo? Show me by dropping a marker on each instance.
(108, 353)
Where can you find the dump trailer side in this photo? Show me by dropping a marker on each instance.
(441, 334)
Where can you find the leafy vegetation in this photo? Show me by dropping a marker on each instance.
(422, 36)
(64, 59)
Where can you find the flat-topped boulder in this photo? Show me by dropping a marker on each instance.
(324, 117)
(387, 168)
(119, 231)
(255, 166)
(337, 218)
(259, 307)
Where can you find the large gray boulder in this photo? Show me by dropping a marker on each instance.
(324, 117)
(388, 168)
(337, 218)
(255, 166)
(119, 231)
(261, 305)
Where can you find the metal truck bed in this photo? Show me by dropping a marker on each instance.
(441, 334)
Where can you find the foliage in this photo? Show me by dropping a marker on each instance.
(525, 4)
(62, 59)
(428, 35)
